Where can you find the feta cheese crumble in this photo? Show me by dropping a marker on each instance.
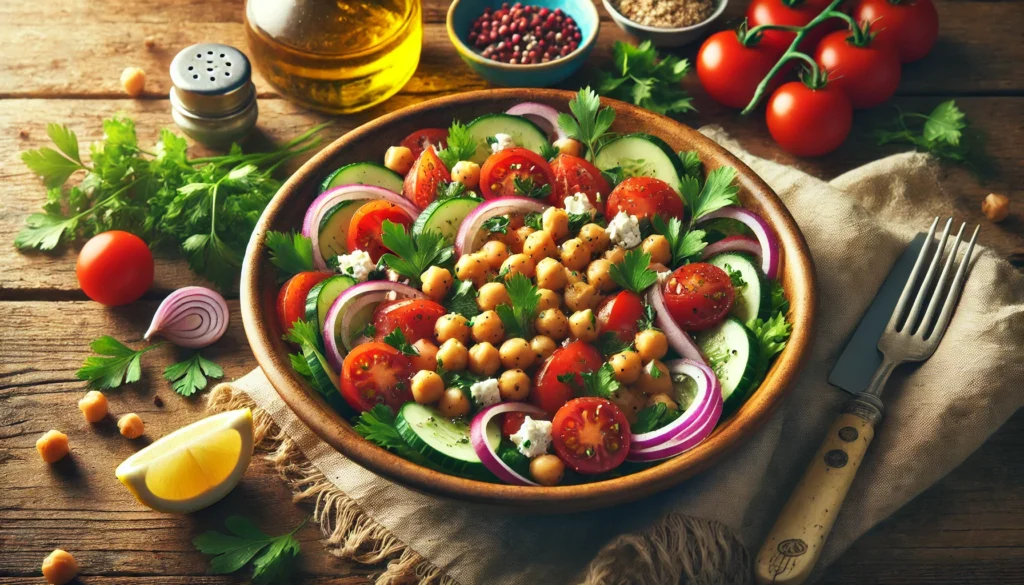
(485, 393)
(533, 438)
(624, 230)
(358, 265)
(501, 142)
(579, 204)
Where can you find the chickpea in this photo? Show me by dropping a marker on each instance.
(59, 567)
(595, 237)
(399, 159)
(516, 354)
(575, 255)
(552, 323)
(484, 359)
(581, 296)
(453, 403)
(665, 399)
(495, 253)
(472, 267)
(658, 247)
(996, 207)
(626, 365)
(615, 254)
(93, 406)
(427, 357)
(599, 275)
(466, 172)
(540, 245)
(491, 295)
(517, 238)
(453, 355)
(556, 222)
(518, 264)
(436, 282)
(53, 446)
(569, 146)
(487, 327)
(452, 326)
(547, 470)
(660, 383)
(514, 385)
(574, 276)
(131, 426)
(549, 299)
(133, 81)
(651, 345)
(543, 346)
(630, 401)
(427, 387)
(551, 274)
(583, 325)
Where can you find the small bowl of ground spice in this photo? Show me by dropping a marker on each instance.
(666, 23)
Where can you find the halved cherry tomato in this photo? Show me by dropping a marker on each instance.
(591, 435)
(698, 295)
(415, 317)
(730, 71)
(809, 122)
(868, 75)
(291, 300)
(788, 13)
(364, 232)
(645, 197)
(419, 140)
(511, 421)
(619, 315)
(551, 393)
(426, 173)
(497, 176)
(575, 175)
(115, 268)
(376, 373)
(908, 27)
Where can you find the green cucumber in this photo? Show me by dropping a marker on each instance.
(442, 440)
(733, 352)
(642, 155)
(364, 173)
(754, 296)
(445, 216)
(325, 381)
(523, 132)
(333, 233)
(322, 295)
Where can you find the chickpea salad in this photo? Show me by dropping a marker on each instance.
(532, 299)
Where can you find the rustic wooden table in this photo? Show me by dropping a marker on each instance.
(61, 62)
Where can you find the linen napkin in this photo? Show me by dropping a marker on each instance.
(700, 532)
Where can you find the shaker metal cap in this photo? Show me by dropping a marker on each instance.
(211, 79)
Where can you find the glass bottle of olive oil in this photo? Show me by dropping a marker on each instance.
(337, 56)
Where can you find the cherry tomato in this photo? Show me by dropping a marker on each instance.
(419, 140)
(291, 300)
(497, 176)
(809, 122)
(416, 318)
(867, 75)
(551, 393)
(575, 175)
(619, 314)
(426, 173)
(644, 197)
(591, 435)
(114, 268)
(365, 229)
(910, 27)
(730, 72)
(778, 12)
(698, 295)
(376, 373)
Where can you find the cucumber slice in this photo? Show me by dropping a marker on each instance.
(325, 381)
(733, 352)
(642, 155)
(333, 237)
(445, 216)
(442, 440)
(523, 132)
(364, 173)
(323, 293)
(754, 297)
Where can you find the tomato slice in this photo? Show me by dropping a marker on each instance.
(376, 373)
(551, 393)
(591, 435)
(426, 174)
(497, 176)
(291, 300)
(645, 197)
(365, 229)
(419, 140)
(416, 318)
(575, 175)
(698, 295)
(619, 315)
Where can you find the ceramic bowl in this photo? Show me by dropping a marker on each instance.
(259, 287)
(462, 13)
(665, 37)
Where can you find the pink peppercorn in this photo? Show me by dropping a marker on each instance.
(524, 34)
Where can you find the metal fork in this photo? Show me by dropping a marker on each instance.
(914, 331)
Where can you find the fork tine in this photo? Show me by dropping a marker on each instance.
(911, 323)
(954, 293)
(901, 305)
(941, 284)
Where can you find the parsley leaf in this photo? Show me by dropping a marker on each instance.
(640, 75)
(691, 163)
(780, 304)
(735, 277)
(941, 133)
(397, 340)
(609, 343)
(122, 366)
(633, 273)
(300, 365)
(377, 426)
(461, 380)
(653, 417)
(718, 192)
(518, 318)
(601, 383)
(497, 224)
(534, 220)
(450, 190)
(772, 335)
(525, 187)
(548, 151)
(461, 145)
(245, 541)
(647, 321)
(462, 299)
(578, 220)
(189, 376)
(589, 122)
(413, 254)
(684, 245)
(291, 252)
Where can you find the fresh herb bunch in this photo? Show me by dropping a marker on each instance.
(589, 122)
(205, 207)
(641, 76)
(243, 543)
(941, 133)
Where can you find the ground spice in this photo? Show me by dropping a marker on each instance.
(666, 13)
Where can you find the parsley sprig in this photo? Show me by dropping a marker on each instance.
(242, 544)
(496, 225)
(718, 191)
(450, 190)
(397, 340)
(941, 133)
(589, 122)
(291, 252)
(461, 145)
(653, 417)
(526, 187)
(633, 273)
(685, 245)
(413, 254)
(462, 299)
(642, 76)
(518, 318)
(116, 364)
(190, 375)
(377, 425)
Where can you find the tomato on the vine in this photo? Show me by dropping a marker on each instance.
(731, 71)
(787, 13)
(114, 268)
(426, 174)
(575, 175)
(807, 121)
(501, 169)
(376, 373)
(698, 295)
(868, 74)
(366, 227)
(644, 197)
(419, 140)
(291, 300)
(908, 26)
(591, 435)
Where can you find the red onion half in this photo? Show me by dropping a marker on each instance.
(771, 255)
(488, 456)
(542, 115)
(471, 232)
(678, 340)
(192, 317)
(352, 308)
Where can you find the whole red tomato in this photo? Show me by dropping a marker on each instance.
(809, 122)
(787, 13)
(908, 26)
(868, 74)
(731, 71)
(698, 295)
(114, 268)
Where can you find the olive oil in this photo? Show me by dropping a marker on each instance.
(337, 56)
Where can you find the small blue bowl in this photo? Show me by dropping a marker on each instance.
(462, 13)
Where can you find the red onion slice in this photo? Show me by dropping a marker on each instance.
(771, 256)
(192, 317)
(542, 115)
(733, 244)
(471, 231)
(678, 340)
(352, 302)
(707, 386)
(488, 456)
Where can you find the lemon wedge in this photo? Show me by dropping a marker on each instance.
(192, 467)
